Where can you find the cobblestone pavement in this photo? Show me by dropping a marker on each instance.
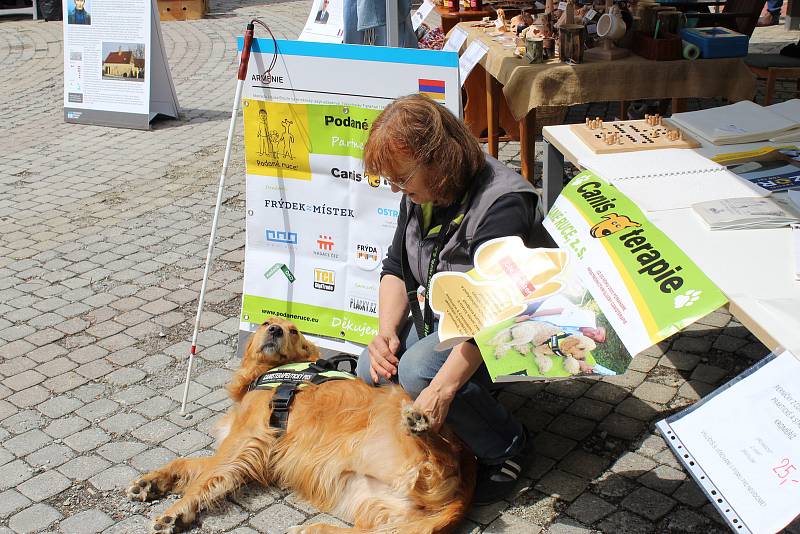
(102, 241)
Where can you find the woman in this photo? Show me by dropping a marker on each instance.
(454, 198)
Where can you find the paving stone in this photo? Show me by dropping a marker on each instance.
(83, 467)
(187, 442)
(59, 406)
(572, 427)
(87, 440)
(225, 518)
(622, 427)
(561, 484)
(134, 394)
(87, 522)
(255, 498)
(127, 356)
(589, 508)
(648, 503)
(700, 345)
(689, 493)
(663, 478)
(510, 524)
(654, 392)
(695, 390)
(27, 443)
(155, 407)
(683, 520)
(552, 445)
(583, 464)
(156, 431)
(639, 409)
(87, 354)
(14, 473)
(51, 456)
(626, 522)
(98, 409)
(215, 378)
(12, 501)
(22, 421)
(567, 526)
(633, 465)
(608, 393)
(196, 390)
(96, 369)
(679, 360)
(708, 374)
(126, 376)
(24, 380)
(152, 459)
(29, 397)
(276, 519)
(65, 382)
(119, 451)
(44, 486)
(5, 456)
(56, 367)
(37, 517)
(114, 478)
(122, 423)
(131, 525)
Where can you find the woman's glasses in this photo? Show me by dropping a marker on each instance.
(401, 184)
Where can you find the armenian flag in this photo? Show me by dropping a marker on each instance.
(432, 88)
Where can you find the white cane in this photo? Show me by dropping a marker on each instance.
(245, 59)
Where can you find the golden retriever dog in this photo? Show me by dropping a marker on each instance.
(359, 452)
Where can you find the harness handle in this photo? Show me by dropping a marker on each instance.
(332, 363)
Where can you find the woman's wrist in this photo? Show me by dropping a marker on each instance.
(445, 389)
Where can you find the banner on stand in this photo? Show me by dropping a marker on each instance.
(318, 226)
(115, 67)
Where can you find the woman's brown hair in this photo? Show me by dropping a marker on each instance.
(417, 127)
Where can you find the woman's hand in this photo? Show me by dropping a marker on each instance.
(383, 356)
(435, 403)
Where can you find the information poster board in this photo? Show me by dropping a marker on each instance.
(740, 445)
(325, 23)
(318, 226)
(115, 67)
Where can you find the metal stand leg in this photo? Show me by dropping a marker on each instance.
(552, 175)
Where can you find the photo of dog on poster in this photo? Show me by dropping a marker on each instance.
(563, 335)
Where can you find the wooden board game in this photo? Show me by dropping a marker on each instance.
(650, 133)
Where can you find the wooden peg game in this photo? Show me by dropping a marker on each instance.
(650, 133)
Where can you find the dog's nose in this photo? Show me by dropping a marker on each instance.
(275, 330)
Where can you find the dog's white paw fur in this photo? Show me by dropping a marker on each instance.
(544, 363)
(414, 421)
(571, 365)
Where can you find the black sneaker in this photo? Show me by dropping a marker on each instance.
(496, 481)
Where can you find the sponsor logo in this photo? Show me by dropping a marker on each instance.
(280, 267)
(611, 224)
(280, 236)
(389, 212)
(372, 179)
(324, 279)
(363, 305)
(323, 209)
(326, 247)
(367, 256)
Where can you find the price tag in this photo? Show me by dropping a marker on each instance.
(471, 57)
(590, 15)
(456, 40)
(591, 28)
(421, 14)
(562, 6)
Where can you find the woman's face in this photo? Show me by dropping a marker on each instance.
(412, 179)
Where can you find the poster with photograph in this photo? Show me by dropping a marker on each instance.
(773, 168)
(325, 23)
(616, 286)
(318, 226)
(115, 69)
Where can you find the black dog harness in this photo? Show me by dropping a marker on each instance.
(555, 343)
(287, 379)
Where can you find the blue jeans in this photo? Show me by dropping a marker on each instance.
(774, 6)
(485, 425)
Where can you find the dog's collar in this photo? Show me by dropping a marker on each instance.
(555, 343)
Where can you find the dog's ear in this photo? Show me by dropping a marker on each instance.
(310, 350)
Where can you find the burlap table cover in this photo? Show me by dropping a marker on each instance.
(527, 86)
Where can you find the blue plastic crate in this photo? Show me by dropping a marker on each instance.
(716, 42)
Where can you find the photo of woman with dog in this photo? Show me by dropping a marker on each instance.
(455, 197)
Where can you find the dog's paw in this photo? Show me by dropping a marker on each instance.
(544, 364)
(414, 421)
(140, 490)
(165, 524)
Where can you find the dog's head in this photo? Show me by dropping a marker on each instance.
(577, 346)
(278, 342)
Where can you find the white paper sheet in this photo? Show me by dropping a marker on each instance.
(456, 40)
(471, 57)
(741, 446)
(421, 14)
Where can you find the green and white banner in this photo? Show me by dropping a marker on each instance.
(647, 287)
(318, 226)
